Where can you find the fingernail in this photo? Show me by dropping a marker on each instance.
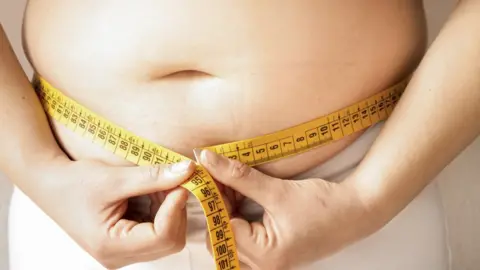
(180, 167)
(210, 158)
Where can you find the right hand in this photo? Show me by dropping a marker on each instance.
(89, 200)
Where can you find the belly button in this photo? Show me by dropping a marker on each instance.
(192, 80)
(187, 74)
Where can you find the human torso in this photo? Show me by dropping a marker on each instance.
(187, 74)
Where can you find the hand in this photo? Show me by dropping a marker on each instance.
(89, 200)
(304, 220)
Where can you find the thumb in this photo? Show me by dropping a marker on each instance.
(252, 183)
(134, 181)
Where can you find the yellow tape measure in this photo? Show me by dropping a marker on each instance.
(252, 151)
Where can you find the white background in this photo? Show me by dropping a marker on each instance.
(460, 181)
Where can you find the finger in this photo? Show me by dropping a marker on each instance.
(252, 240)
(126, 182)
(166, 234)
(172, 213)
(170, 224)
(252, 183)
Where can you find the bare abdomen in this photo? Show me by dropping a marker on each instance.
(205, 73)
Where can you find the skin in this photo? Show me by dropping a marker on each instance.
(248, 74)
(97, 192)
(387, 179)
(145, 76)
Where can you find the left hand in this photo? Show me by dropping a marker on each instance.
(304, 220)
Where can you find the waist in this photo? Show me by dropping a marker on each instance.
(233, 73)
(182, 131)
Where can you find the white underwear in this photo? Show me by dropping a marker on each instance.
(413, 240)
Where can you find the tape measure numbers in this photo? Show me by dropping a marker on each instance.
(318, 132)
(254, 151)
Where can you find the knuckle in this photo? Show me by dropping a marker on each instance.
(239, 169)
(154, 172)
